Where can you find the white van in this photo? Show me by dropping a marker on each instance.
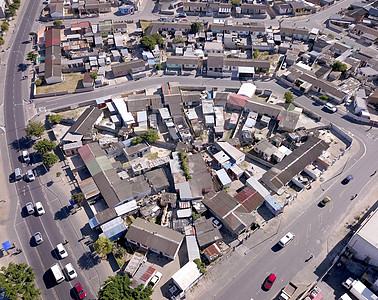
(286, 239)
(330, 107)
(17, 173)
(57, 272)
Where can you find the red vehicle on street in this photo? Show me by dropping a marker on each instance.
(268, 283)
(79, 291)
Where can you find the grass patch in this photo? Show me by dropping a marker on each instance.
(144, 25)
(152, 155)
(70, 83)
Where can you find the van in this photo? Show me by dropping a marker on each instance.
(57, 272)
(286, 239)
(17, 173)
(330, 107)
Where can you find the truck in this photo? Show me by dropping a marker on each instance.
(288, 291)
(359, 290)
(57, 272)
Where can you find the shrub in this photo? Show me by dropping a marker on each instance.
(38, 82)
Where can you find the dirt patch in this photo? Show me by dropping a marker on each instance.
(70, 83)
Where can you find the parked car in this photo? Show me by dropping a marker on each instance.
(155, 279)
(38, 238)
(30, 208)
(286, 239)
(216, 222)
(79, 291)
(325, 201)
(330, 107)
(39, 208)
(61, 250)
(182, 15)
(268, 283)
(70, 271)
(347, 179)
(25, 156)
(29, 175)
(284, 65)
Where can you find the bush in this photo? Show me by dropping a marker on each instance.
(55, 119)
(44, 146)
(94, 75)
(151, 136)
(256, 54)
(4, 26)
(38, 82)
(158, 67)
(183, 156)
(201, 266)
(339, 66)
(289, 98)
(235, 2)
(323, 97)
(135, 141)
(78, 198)
(195, 27)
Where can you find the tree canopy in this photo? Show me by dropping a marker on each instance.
(17, 282)
(195, 27)
(32, 56)
(35, 129)
(135, 141)
(256, 53)
(235, 2)
(55, 119)
(44, 146)
(150, 41)
(49, 159)
(339, 66)
(57, 23)
(103, 246)
(150, 136)
(2, 42)
(4, 26)
(289, 98)
(78, 198)
(118, 288)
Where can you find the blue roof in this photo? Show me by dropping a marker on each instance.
(273, 203)
(6, 246)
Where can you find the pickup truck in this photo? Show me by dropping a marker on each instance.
(358, 289)
(288, 291)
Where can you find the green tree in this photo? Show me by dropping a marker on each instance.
(44, 146)
(289, 98)
(339, 66)
(17, 282)
(195, 27)
(256, 53)
(4, 26)
(32, 56)
(103, 246)
(323, 97)
(78, 198)
(49, 159)
(2, 42)
(118, 287)
(150, 136)
(94, 75)
(201, 266)
(14, 6)
(158, 66)
(55, 119)
(38, 82)
(235, 2)
(158, 38)
(35, 129)
(148, 42)
(135, 141)
(57, 23)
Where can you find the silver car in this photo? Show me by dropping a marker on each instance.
(38, 238)
(30, 208)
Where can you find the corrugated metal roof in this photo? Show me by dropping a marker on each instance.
(192, 247)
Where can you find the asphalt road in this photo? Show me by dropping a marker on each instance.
(40, 257)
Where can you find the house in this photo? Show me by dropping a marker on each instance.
(88, 80)
(282, 173)
(130, 67)
(126, 9)
(157, 179)
(195, 7)
(134, 151)
(95, 7)
(56, 10)
(105, 27)
(368, 73)
(236, 217)
(84, 125)
(186, 277)
(215, 64)
(253, 9)
(235, 154)
(250, 199)
(213, 47)
(212, 252)
(206, 232)
(53, 68)
(236, 102)
(373, 97)
(158, 239)
(182, 62)
(265, 149)
(295, 33)
(283, 8)
(200, 181)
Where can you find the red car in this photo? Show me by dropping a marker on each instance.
(79, 291)
(269, 281)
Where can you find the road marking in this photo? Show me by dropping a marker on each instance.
(308, 233)
(320, 219)
(330, 206)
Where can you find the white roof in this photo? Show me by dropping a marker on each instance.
(257, 186)
(247, 89)
(223, 177)
(126, 207)
(230, 150)
(164, 113)
(237, 170)
(209, 119)
(126, 116)
(247, 70)
(221, 157)
(192, 115)
(368, 232)
(184, 190)
(186, 276)
(142, 116)
(174, 163)
(285, 150)
(207, 107)
(184, 213)
(250, 123)
(192, 246)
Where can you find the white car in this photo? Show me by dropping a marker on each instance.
(216, 223)
(286, 239)
(155, 279)
(29, 175)
(330, 107)
(38, 238)
(25, 156)
(30, 208)
(70, 271)
(61, 250)
(39, 208)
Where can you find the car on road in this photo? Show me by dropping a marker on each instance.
(286, 239)
(324, 201)
(182, 15)
(155, 279)
(30, 208)
(70, 271)
(347, 179)
(25, 156)
(39, 208)
(216, 222)
(38, 238)
(79, 291)
(330, 107)
(29, 175)
(61, 251)
(268, 283)
(284, 65)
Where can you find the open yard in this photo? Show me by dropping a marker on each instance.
(70, 83)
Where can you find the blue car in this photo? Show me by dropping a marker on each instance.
(182, 15)
(347, 179)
